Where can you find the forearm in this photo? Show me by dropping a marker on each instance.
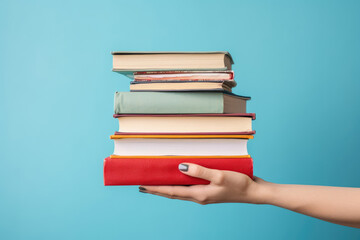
(334, 204)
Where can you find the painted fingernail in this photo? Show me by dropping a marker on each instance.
(142, 188)
(183, 167)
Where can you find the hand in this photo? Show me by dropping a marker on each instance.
(334, 204)
(225, 186)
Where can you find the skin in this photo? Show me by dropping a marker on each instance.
(340, 205)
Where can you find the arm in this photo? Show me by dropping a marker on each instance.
(339, 205)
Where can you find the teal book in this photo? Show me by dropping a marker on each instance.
(178, 103)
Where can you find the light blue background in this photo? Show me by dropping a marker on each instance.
(299, 60)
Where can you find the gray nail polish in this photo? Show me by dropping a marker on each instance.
(183, 167)
(142, 188)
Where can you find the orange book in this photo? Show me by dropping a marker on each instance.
(119, 136)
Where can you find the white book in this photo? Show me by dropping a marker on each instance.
(180, 147)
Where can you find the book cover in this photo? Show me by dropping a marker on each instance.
(182, 133)
(164, 171)
(176, 136)
(247, 115)
(178, 103)
(186, 123)
(129, 62)
(162, 76)
(171, 86)
(180, 145)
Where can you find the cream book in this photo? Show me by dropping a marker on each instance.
(129, 62)
(185, 123)
(185, 75)
(181, 86)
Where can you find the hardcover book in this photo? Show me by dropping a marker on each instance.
(184, 76)
(186, 123)
(181, 86)
(180, 145)
(129, 62)
(164, 171)
(178, 102)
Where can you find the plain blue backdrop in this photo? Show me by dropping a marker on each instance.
(298, 60)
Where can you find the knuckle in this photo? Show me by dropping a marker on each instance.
(202, 199)
(198, 171)
(219, 178)
(171, 194)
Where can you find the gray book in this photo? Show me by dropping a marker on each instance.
(178, 103)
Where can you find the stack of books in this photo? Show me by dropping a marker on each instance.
(180, 108)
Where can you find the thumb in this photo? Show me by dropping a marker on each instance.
(198, 171)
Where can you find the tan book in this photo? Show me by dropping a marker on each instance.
(186, 123)
(181, 86)
(129, 62)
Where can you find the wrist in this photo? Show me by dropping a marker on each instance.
(262, 192)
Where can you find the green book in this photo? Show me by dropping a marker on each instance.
(178, 103)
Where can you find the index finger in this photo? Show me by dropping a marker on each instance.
(173, 191)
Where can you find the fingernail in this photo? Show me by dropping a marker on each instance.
(183, 167)
(142, 188)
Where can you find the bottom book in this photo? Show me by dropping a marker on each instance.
(164, 170)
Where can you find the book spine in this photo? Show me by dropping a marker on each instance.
(180, 81)
(164, 171)
(185, 133)
(168, 102)
(252, 115)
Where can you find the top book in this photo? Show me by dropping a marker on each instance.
(129, 62)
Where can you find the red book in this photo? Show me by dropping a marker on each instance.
(164, 170)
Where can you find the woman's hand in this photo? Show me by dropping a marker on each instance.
(339, 205)
(225, 186)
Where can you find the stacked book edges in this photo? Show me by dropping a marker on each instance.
(164, 170)
(180, 109)
(186, 123)
(149, 147)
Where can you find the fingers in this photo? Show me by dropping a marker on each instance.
(171, 191)
(196, 193)
(194, 170)
(173, 197)
(174, 192)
